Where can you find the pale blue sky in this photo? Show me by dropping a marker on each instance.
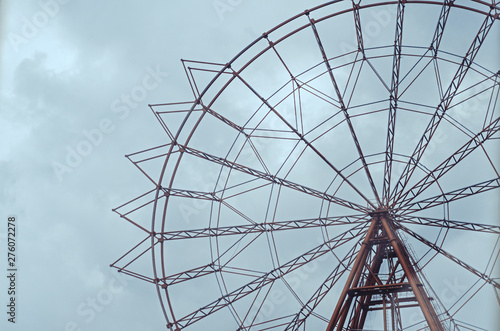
(66, 123)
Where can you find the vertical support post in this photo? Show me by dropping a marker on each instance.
(393, 312)
(364, 281)
(342, 308)
(384, 302)
(411, 275)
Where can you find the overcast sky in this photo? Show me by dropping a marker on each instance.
(68, 117)
(64, 65)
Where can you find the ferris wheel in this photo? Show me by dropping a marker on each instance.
(339, 173)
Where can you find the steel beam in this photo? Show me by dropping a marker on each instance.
(363, 281)
(393, 103)
(341, 310)
(410, 273)
(447, 197)
(445, 103)
(272, 178)
(308, 308)
(449, 224)
(260, 227)
(432, 177)
(269, 278)
(344, 108)
(441, 251)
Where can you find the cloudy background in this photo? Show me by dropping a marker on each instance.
(69, 70)
(60, 76)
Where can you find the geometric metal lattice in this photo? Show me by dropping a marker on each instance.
(367, 280)
(339, 173)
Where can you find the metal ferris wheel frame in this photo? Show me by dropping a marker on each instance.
(380, 266)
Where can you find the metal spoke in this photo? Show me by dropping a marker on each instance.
(449, 224)
(433, 176)
(438, 33)
(344, 110)
(445, 100)
(137, 256)
(303, 139)
(270, 277)
(451, 257)
(190, 274)
(448, 197)
(267, 121)
(190, 194)
(357, 25)
(272, 178)
(215, 266)
(393, 105)
(261, 227)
